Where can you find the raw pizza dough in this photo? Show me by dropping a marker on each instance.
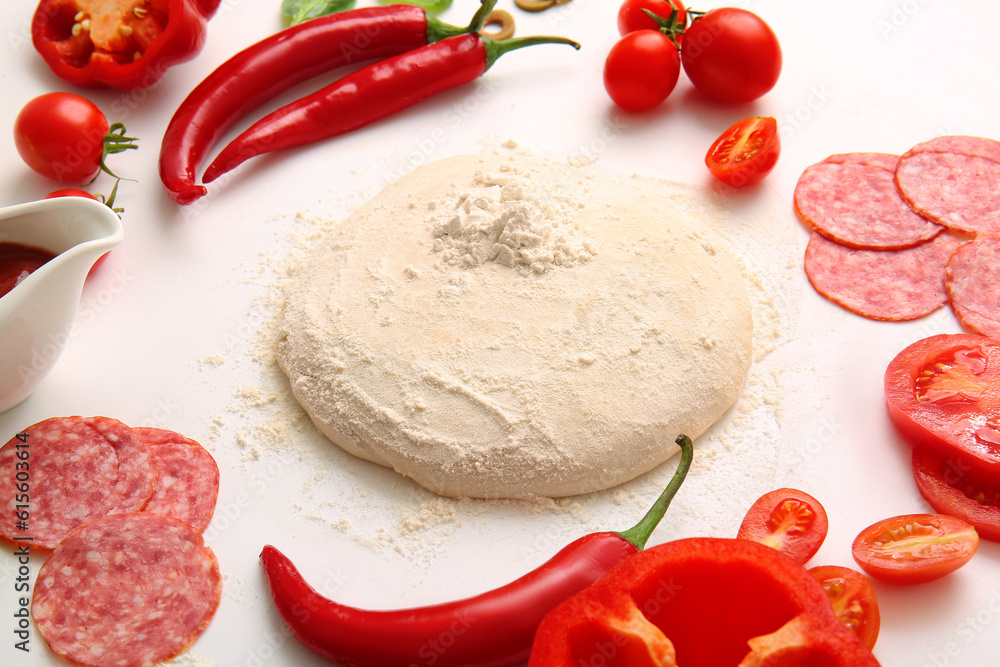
(498, 326)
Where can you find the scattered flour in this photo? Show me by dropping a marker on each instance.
(735, 459)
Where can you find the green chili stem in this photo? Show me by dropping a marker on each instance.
(639, 534)
(496, 48)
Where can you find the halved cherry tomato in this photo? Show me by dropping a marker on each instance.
(789, 520)
(943, 392)
(641, 70)
(631, 16)
(853, 599)
(731, 55)
(915, 548)
(951, 487)
(746, 152)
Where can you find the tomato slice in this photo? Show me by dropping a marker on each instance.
(853, 599)
(943, 392)
(746, 152)
(951, 487)
(915, 548)
(789, 520)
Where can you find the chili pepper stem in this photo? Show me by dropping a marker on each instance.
(496, 48)
(639, 534)
(438, 29)
(479, 18)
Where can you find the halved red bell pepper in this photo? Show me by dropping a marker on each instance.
(700, 602)
(124, 44)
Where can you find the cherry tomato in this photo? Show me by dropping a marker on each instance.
(631, 16)
(641, 70)
(915, 548)
(65, 137)
(853, 599)
(789, 520)
(109, 202)
(951, 487)
(943, 392)
(71, 192)
(746, 152)
(731, 55)
(61, 136)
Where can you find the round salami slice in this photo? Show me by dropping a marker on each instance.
(852, 199)
(891, 285)
(188, 483)
(953, 181)
(54, 476)
(127, 590)
(972, 279)
(136, 465)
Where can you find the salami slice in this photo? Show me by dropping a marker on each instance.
(127, 590)
(891, 285)
(136, 465)
(972, 279)
(188, 483)
(953, 181)
(852, 199)
(65, 470)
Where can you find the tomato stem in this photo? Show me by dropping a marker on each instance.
(669, 26)
(115, 141)
(639, 534)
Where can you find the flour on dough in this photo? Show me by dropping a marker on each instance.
(499, 326)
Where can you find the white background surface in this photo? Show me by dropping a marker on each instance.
(173, 322)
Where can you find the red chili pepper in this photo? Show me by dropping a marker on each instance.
(492, 629)
(700, 602)
(124, 44)
(370, 94)
(275, 64)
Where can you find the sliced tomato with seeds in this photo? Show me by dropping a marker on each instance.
(789, 520)
(746, 152)
(943, 392)
(853, 599)
(952, 487)
(915, 548)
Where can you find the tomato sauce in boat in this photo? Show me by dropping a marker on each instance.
(17, 262)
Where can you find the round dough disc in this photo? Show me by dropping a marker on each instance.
(565, 362)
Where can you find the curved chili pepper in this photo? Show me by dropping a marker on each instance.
(371, 94)
(275, 64)
(124, 44)
(489, 630)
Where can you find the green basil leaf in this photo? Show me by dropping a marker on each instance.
(433, 6)
(298, 11)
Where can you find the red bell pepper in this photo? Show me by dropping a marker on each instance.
(700, 602)
(123, 44)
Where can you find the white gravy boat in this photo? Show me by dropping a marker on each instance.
(36, 317)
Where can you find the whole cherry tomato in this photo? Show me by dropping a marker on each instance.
(631, 16)
(789, 520)
(853, 599)
(746, 152)
(69, 192)
(943, 392)
(65, 137)
(915, 548)
(731, 55)
(641, 70)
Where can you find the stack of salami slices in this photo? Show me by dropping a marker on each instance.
(894, 238)
(129, 580)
